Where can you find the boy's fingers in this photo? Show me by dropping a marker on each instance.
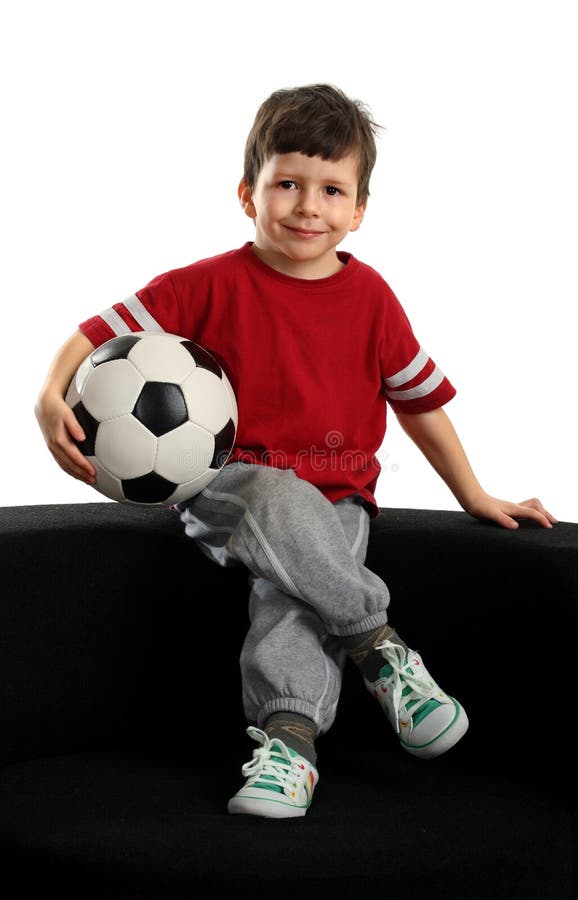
(77, 471)
(74, 426)
(506, 521)
(83, 469)
(71, 460)
(552, 519)
(533, 509)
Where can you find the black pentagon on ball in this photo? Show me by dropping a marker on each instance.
(89, 425)
(115, 348)
(151, 488)
(224, 441)
(161, 407)
(203, 358)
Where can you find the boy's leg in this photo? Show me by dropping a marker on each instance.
(291, 667)
(289, 662)
(291, 679)
(291, 673)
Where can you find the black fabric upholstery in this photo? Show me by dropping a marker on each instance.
(123, 733)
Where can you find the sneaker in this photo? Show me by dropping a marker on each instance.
(426, 720)
(279, 784)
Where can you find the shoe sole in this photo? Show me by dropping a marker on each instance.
(446, 740)
(268, 809)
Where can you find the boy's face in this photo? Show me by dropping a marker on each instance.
(303, 207)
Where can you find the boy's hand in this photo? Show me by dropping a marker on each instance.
(505, 513)
(59, 427)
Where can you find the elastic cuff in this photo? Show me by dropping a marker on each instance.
(288, 704)
(369, 624)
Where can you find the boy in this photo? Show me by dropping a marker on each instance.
(314, 342)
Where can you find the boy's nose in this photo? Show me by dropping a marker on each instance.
(307, 204)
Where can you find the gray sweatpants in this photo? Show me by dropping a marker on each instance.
(309, 584)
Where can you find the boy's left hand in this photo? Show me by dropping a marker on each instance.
(505, 513)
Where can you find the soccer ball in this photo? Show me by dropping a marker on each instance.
(159, 415)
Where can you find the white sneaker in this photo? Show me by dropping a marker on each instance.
(426, 720)
(279, 784)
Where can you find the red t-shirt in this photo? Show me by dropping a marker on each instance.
(311, 361)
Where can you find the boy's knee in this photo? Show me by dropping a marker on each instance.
(286, 495)
(278, 498)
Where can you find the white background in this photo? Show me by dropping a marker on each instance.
(123, 130)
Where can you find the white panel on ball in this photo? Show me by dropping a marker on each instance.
(107, 483)
(184, 453)
(162, 359)
(125, 447)
(112, 389)
(207, 400)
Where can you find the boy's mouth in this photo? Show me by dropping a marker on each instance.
(304, 232)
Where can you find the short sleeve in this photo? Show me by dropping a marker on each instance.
(412, 382)
(152, 308)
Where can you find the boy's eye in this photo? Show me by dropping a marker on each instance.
(288, 185)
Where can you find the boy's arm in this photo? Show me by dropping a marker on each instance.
(57, 421)
(435, 436)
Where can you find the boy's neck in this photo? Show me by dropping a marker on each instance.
(306, 269)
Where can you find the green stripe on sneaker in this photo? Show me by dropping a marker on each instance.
(438, 736)
(423, 711)
(268, 785)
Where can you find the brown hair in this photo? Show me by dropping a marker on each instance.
(317, 120)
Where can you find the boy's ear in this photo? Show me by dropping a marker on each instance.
(245, 195)
(358, 216)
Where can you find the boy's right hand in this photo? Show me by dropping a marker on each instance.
(60, 428)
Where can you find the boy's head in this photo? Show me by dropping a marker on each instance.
(316, 120)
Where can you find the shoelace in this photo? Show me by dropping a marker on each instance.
(265, 765)
(422, 688)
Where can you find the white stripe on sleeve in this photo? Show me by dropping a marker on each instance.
(139, 312)
(115, 322)
(428, 386)
(405, 375)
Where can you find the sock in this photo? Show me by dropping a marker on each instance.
(361, 649)
(297, 732)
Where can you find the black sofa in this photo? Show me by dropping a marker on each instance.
(122, 734)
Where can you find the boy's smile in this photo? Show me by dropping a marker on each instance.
(303, 207)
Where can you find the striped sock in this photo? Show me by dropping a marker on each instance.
(297, 732)
(361, 649)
